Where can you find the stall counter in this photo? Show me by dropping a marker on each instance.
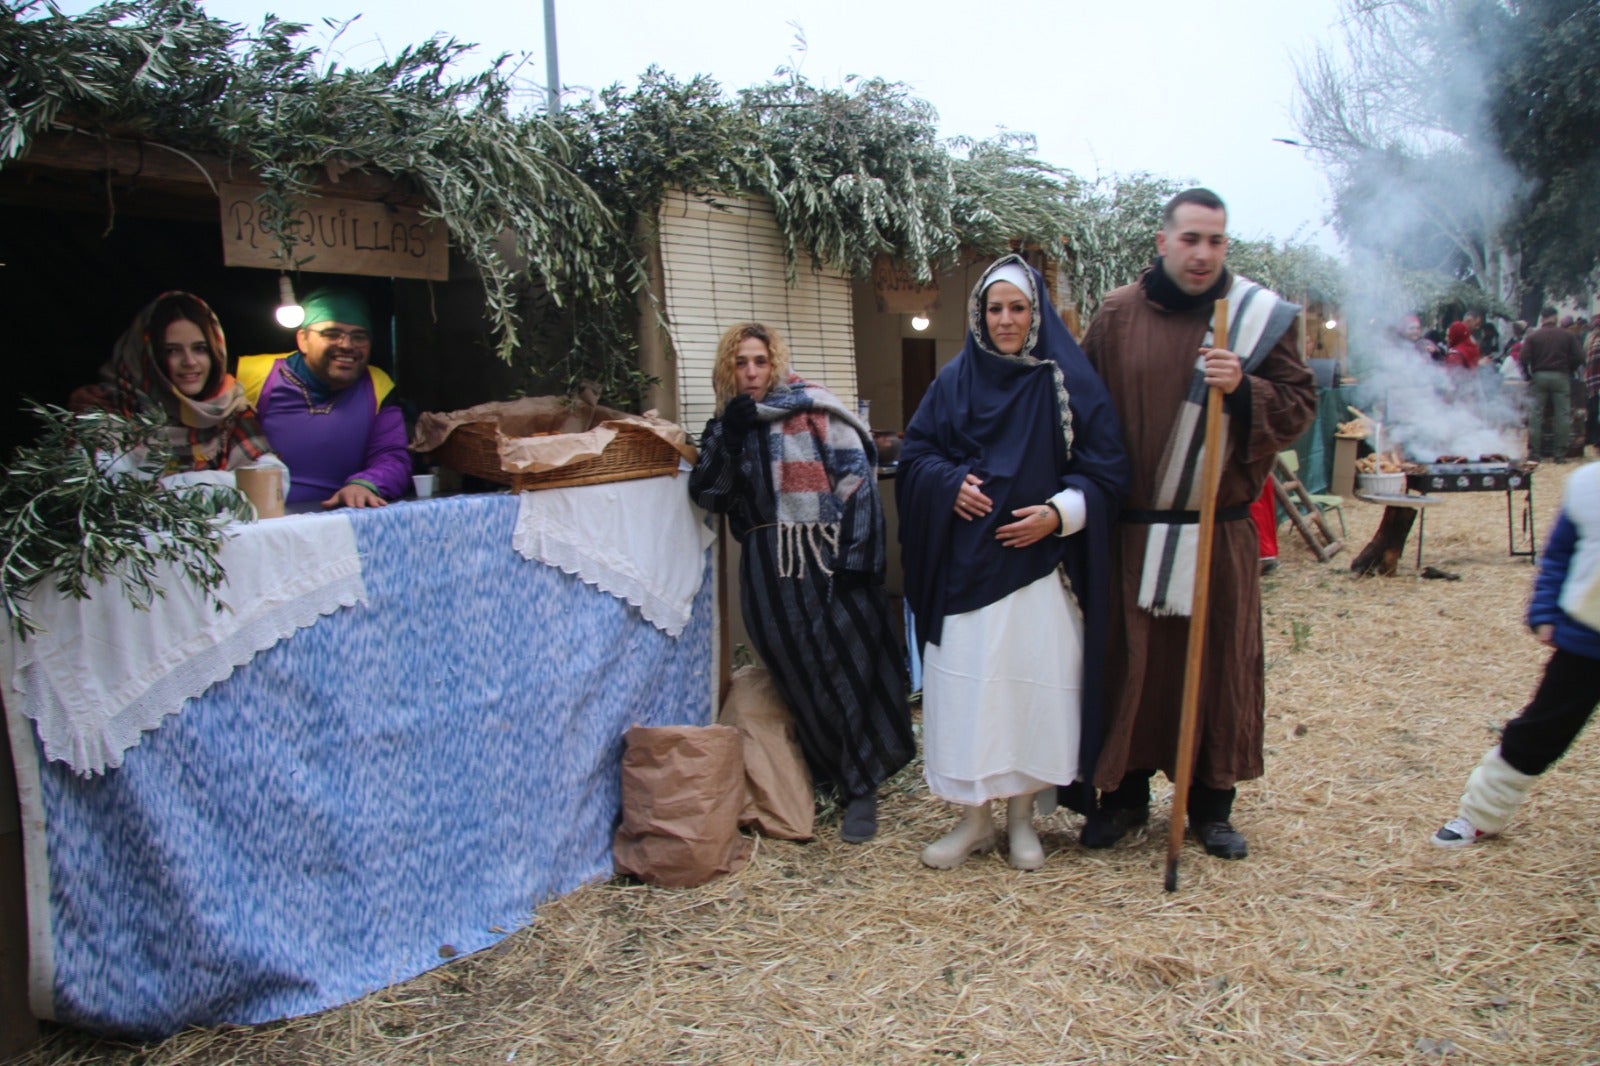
(402, 781)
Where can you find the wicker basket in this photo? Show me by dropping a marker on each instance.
(635, 452)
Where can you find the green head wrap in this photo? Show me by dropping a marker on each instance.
(336, 305)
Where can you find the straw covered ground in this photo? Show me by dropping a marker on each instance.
(1344, 938)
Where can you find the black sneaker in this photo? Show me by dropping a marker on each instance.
(1222, 840)
(1104, 828)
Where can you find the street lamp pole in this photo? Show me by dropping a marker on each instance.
(550, 56)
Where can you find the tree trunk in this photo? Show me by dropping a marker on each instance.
(1510, 276)
(1383, 551)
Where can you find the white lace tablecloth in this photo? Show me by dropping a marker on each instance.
(102, 673)
(640, 540)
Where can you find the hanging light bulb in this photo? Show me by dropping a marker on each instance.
(919, 322)
(289, 314)
(1332, 323)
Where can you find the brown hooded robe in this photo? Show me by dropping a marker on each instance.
(1146, 356)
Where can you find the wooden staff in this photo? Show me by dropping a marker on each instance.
(1210, 470)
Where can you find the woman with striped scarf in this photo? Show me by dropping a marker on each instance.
(796, 474)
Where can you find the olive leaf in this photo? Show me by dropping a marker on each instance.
(71, 516)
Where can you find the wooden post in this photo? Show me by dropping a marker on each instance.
(1210, 472)
(656, 357)
(18, 1030)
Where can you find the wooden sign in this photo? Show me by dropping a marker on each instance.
(335, 237)
(898, 292)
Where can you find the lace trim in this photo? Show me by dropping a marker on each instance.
(91, 752)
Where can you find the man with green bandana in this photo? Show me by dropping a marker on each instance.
(329, 415)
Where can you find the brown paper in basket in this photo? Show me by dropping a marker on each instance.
(539, 433)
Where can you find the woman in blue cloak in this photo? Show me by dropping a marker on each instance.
(1010, 478)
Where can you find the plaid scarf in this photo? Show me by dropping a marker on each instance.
(821, 456)
(1166, 583)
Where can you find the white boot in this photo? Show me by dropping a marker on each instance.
(1026, 851)
(1494, 791)
(975, 834)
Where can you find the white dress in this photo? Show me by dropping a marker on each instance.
(1001, 697)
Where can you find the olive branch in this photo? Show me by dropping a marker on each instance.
(70, 516)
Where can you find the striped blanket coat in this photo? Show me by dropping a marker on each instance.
(800, 493)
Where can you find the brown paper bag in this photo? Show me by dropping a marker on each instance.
(779, 802)
(682, 790)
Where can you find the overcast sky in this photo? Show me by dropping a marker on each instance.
(1182, 89)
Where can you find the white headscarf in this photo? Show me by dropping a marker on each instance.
(1015, 273)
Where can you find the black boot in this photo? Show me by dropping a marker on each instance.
(1209, 812)
(1104, 828)
(1123, 808)
(860, 822)
(1222, 840)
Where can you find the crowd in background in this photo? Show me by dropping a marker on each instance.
(1548, 369)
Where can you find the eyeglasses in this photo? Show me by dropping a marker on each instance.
(358, 338)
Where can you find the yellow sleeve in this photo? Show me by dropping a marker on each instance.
(382, 384)
(253, 371)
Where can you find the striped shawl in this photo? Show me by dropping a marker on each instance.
(1166, 586)
(821, 456)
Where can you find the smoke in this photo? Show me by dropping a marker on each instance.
(1401, 113)
(1422, 194)
(1426, 410)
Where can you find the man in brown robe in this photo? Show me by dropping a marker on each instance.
(1145, 342)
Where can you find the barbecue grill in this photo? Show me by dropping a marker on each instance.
(1483, 476)
(1469, 477)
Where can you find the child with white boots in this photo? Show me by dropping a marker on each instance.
(1565, 614)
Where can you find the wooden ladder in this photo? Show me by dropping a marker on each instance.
(1304, 513)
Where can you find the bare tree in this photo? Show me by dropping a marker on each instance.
(1399, 112)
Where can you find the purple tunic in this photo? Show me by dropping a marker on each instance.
(327, 446)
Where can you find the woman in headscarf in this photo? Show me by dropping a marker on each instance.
(796, 474)
(173, 358)
(1010, 477)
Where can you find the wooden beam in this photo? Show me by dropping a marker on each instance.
(656, 356)
(18, 1030)
(155, 163)
(86, 192)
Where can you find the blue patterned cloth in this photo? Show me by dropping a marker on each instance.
(415, 773)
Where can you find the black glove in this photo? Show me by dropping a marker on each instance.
(738, 418)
